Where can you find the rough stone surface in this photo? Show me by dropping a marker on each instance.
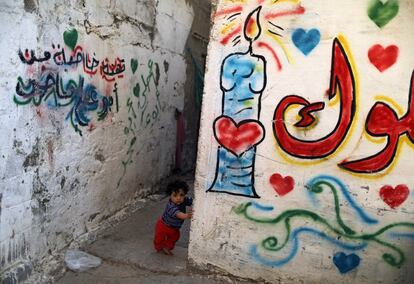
(86, 117)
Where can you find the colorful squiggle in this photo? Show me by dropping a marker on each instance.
(344, 190)
(272, 242)
(395, 257)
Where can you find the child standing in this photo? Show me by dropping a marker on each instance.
(167, 229)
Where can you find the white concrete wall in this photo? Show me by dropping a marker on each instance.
(288, 207)
(70, 161)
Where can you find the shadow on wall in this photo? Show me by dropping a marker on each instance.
(196, 47)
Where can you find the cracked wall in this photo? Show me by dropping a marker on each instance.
(89, 92)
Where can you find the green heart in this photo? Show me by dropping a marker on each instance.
(381, 13)
(137, 90)
(70, 37)
(134, 65)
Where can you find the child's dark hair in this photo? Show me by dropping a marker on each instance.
(175, 186)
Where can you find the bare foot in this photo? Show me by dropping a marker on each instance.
(167, 252)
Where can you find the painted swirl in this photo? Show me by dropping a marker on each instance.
(350, 239)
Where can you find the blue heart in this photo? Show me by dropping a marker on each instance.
(306, 41)
(345, 262)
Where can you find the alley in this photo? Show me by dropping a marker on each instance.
(129, 257)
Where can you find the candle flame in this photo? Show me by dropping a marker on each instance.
(252, 27)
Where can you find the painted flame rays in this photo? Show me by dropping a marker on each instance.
(260, 25)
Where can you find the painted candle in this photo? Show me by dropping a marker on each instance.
(242, 81)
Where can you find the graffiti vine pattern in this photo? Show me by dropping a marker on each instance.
(333, 232)
(144, 110)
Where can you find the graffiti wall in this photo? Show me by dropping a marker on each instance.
(89, 91)
(307, 137)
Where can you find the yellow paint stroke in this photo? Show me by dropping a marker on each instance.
(258, 68)
(374, 139)
(289, 1)
(393, 104)
(295, 108)
(408, 141)
(235, 1)
(271, 2)
(298, 118)
(382, 140)
(228, 27)
(280, 43)
(297, 161)
(333, 102)
(291, 159)
(400, 112)
(390, 168)
(248, 103)
(396, 107)
(354, 71)
(309, 127)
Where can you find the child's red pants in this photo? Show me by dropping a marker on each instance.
(165, 236)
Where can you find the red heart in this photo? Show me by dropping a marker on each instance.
(394, 196)
(238, 138)
(383, 58)
(282, 185)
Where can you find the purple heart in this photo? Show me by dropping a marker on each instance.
(345, 262)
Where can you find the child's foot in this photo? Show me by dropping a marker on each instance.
(167, 251)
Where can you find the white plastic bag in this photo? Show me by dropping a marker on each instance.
(79, 261)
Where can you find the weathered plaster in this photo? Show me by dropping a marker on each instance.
(61, 180)
(367, 235)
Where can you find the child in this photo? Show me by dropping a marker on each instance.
(167, 229)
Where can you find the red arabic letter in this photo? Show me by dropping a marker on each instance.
(342, 79)
(382, 121)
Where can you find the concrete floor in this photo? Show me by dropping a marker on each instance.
(128, 256)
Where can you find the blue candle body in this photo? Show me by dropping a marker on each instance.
(242, 81)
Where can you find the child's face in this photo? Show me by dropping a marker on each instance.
(177, 197)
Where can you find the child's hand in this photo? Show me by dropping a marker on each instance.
(190, 213)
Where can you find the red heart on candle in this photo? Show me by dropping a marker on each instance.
(282, 185)
(383, 58)
(238, 138)
(394, 197)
